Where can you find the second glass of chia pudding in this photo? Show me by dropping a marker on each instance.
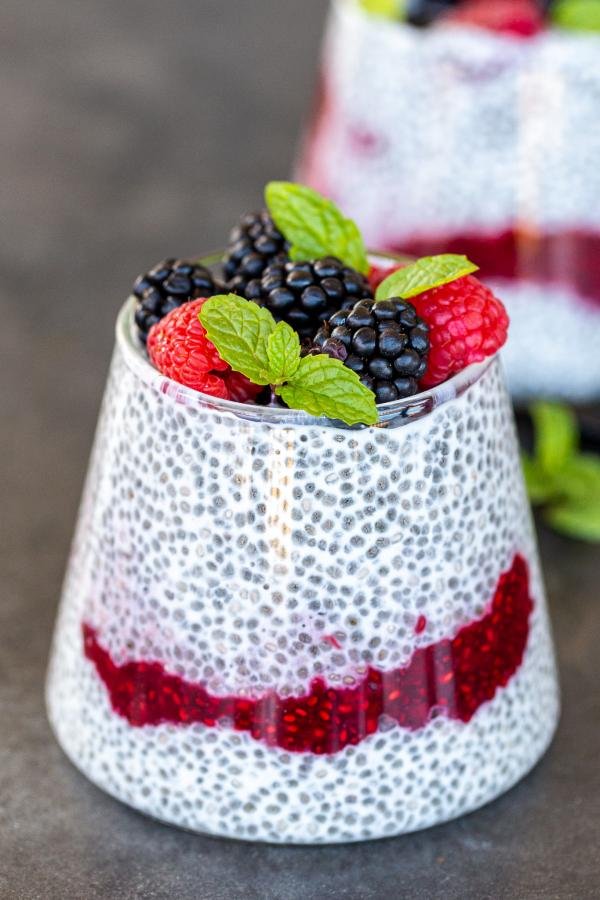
(472, 126)
(298, 609)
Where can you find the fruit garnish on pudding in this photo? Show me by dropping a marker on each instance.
(304, 322)
(304, 326)
(517, 18)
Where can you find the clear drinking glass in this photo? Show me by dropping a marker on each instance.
(276, 627)
(457, 139)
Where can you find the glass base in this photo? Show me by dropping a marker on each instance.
(254, 809)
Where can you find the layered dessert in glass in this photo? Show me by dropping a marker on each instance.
(477, 132)
(281, 626)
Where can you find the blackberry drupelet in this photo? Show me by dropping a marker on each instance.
(424, 12)
(253, 244)
(306, 294)
(167, 286)
(384, 342)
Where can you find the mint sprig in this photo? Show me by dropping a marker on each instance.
(314, 226)
(388, 9)
(423, 275)
(556, 436)
(326, 387)
(577, 15)
(240, 331)
(283, 350)
(248, 338)
(560, 479)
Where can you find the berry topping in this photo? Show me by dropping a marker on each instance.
(424, 12)
(306, 294)
(268, 353)
(467, 323)
(253, 244)
(166, 287)
(522, 18)
(179, 348)
(519, 17)
(301, 269)
(384, 342)
(240, 388)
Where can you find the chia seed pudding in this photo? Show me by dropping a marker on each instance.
(278, 628)
(458, 138)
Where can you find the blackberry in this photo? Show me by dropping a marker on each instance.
(306, 294)
(168, 285)
(384, 342)
(424, 12)
(253, 244)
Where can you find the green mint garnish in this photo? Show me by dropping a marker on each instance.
(314, 226)
(556, 436)
(578, 519)
(248, 338)
(283, 349)
(423, 275)
(577, 15)
(240, 331)
(388, 9)
(563, 481)
(326, 387)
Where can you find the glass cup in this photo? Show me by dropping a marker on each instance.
(279, 628)
(456, 139)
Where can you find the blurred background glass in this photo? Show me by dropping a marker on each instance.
(455, 138)
(130, 131)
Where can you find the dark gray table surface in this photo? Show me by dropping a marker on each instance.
(132, 129)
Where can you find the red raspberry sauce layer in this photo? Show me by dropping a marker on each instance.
(453, 677)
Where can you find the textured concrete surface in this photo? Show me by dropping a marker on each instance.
(131, 130)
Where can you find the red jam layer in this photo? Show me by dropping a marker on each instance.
(453, 677)
(569, 258)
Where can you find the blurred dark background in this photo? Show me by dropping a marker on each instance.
(131, 130)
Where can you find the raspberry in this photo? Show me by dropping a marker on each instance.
(240, 388)
(254, 243)
(385, 343)
(522, 18)
(168, 285)
(179, 348)
(467, 323)
(306, 294)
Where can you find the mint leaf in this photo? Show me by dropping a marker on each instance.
(247, 338)
(283, 350)
(577, 15)
(240, 331)
(580, 478)
(540, 486)
(424, 274)
(576, 518)
(566, 483)
(556, 435)
(326, 387)
(389, 9)
(314, 226)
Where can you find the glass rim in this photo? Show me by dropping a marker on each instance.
(392, 414)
